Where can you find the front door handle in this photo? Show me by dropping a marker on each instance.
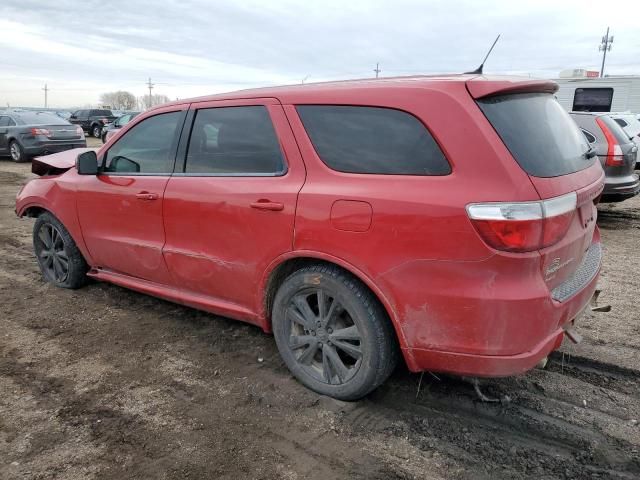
(267, 205)
(146, 196)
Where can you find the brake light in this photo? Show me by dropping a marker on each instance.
(523, 226)
(40, 131)
(614, 151)
(104, 120)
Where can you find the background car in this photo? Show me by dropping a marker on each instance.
(92, 121)
(25, 134)
(616, 151)
(631, 125)
(111, 128)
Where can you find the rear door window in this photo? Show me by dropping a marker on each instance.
(372, 140)
(234, 141)
(541, 136)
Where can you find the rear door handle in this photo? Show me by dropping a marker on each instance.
(146, 196)
(267, 205)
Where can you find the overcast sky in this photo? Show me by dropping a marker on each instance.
(194, 47)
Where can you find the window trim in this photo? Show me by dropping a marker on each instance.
(172, 153)
(181, 160)
(595, 138)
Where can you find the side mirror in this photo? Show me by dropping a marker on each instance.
(87, 163)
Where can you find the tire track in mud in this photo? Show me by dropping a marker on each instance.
(611, 219)
(538, 434)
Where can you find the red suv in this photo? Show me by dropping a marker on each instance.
(447, 219)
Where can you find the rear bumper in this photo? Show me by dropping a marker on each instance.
(45, 148)
(482, 342)
(617, 189)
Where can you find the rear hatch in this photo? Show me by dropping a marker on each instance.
(547, 144)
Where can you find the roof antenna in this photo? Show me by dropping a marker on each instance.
(478, 71)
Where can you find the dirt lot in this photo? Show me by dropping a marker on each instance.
(106, 383)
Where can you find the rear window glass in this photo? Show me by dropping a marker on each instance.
(592, 99)
(372, 140)
(37, 118)
(540, 135)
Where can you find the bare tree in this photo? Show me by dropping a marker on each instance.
(156, 99)
(119, 100)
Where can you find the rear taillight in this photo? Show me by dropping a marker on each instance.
(40, 131)
(523, 226)
(615, 157)
(104, 120)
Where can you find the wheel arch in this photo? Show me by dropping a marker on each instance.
(280, 269)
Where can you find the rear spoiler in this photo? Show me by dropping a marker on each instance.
(487, 86)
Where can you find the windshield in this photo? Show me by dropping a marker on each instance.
(40, 118)
(540, 135)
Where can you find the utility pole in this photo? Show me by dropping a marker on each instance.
(604, 47)
(150, 85)
(46, 91)
(377, 69)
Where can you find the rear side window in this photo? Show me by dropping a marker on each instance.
(590, 138)
(104, 113)
(540, 135)
(234, 141)
(372, 140)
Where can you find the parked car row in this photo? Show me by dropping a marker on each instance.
(613, 138)
(25, 134)
(473, 257)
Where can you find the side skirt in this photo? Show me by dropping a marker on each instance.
(200, 302)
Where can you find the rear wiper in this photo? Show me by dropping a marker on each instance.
(589, 153)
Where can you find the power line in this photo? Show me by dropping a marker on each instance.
(604, 47)
(377, 69)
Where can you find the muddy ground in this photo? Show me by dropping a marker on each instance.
(109, 384)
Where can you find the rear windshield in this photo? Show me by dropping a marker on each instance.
(630, 124)
(38, 118)
(540, 135)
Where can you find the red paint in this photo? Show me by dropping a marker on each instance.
(351, 215)
(457, 304)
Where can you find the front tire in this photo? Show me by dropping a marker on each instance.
(17, 152)
(59, 259)
(96, 131)
(332, 333)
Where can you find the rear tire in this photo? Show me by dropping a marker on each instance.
(332, 333)
(59, 259)
(96, 131)
(17, 152)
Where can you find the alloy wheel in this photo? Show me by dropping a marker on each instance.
(52, 253)
(15, 152)
(323, 337)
